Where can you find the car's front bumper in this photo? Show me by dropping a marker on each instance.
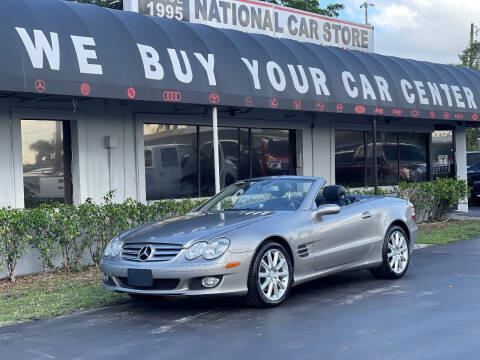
(188, 274)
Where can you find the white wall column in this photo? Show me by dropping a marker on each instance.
(7, 174)
(461, 160)
(216, 160)
(322, 155)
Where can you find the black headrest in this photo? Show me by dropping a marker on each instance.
(334, 192)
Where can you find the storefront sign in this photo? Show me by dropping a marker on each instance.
(261, 18)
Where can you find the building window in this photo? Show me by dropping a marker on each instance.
(175, 167)
(271, 152)
(443, 154)
(170, 161)
(413, 157)
(400, 157)
(46, 155)
(233, 157)
(350, 158)
(387, 159)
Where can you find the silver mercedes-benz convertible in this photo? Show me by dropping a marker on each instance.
(260, 237)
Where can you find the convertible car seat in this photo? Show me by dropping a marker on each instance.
(334, 194)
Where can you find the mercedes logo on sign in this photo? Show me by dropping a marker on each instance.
(145, 253)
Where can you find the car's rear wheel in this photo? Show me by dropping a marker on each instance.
(395, 254)
(270, 277)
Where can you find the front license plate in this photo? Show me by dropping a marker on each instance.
(140, 277)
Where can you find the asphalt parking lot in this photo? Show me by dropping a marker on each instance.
(433, 313)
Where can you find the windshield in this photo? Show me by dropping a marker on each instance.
(264, 195)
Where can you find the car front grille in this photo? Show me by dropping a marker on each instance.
(158, 284)
(161, 252)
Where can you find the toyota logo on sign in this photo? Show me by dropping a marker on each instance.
(214, 98)
(172, 96)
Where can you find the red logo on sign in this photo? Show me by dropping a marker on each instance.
(339, 107)
(297, 104)
(446, 115)
(214, 98)
(85, 89)
(40, 86)
(433, 115)
(379, 110)
(172, 96)
(397, 112)
(360, 109)
(320, 106)
(475, 117)
(415, 113)
(249, 101)
(459, 116)
(274, 103)
(131, 92)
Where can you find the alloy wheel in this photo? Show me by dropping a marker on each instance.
(273, 274)
(397, 252)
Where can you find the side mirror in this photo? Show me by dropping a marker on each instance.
(327, 209)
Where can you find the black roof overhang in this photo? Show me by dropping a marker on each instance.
(65, 48)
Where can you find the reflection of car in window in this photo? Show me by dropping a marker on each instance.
(473, 174)
(411, 162)
(274, 159)
(163, 168)
(45, 183)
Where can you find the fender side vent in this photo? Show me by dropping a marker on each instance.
(303, 251)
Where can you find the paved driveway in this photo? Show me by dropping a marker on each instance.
(433, 313)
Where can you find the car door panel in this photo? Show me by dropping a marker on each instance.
(344, 237)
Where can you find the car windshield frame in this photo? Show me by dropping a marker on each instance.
(289, 196)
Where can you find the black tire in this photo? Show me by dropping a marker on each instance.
(385, 271)
(255, 296)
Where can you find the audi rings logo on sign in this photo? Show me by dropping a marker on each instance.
(40, 86)
(214, 98)
(172, 96)
(85, 89)
(145, 253)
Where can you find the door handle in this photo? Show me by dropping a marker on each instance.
(366, 215)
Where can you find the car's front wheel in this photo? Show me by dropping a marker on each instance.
(395, 254)
(270, 277)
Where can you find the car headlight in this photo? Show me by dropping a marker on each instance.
(208, 251)
(114, 247)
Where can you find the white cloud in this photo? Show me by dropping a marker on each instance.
(432, 30)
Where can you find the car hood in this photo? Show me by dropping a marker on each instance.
(194, 226)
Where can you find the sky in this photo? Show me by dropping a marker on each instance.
(431, 30)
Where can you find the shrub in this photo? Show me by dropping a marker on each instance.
(42, 232)
(433, 199)
(14, 238)
(79, 233)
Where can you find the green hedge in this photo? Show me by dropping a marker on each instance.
(75, 232)
(433, 199)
